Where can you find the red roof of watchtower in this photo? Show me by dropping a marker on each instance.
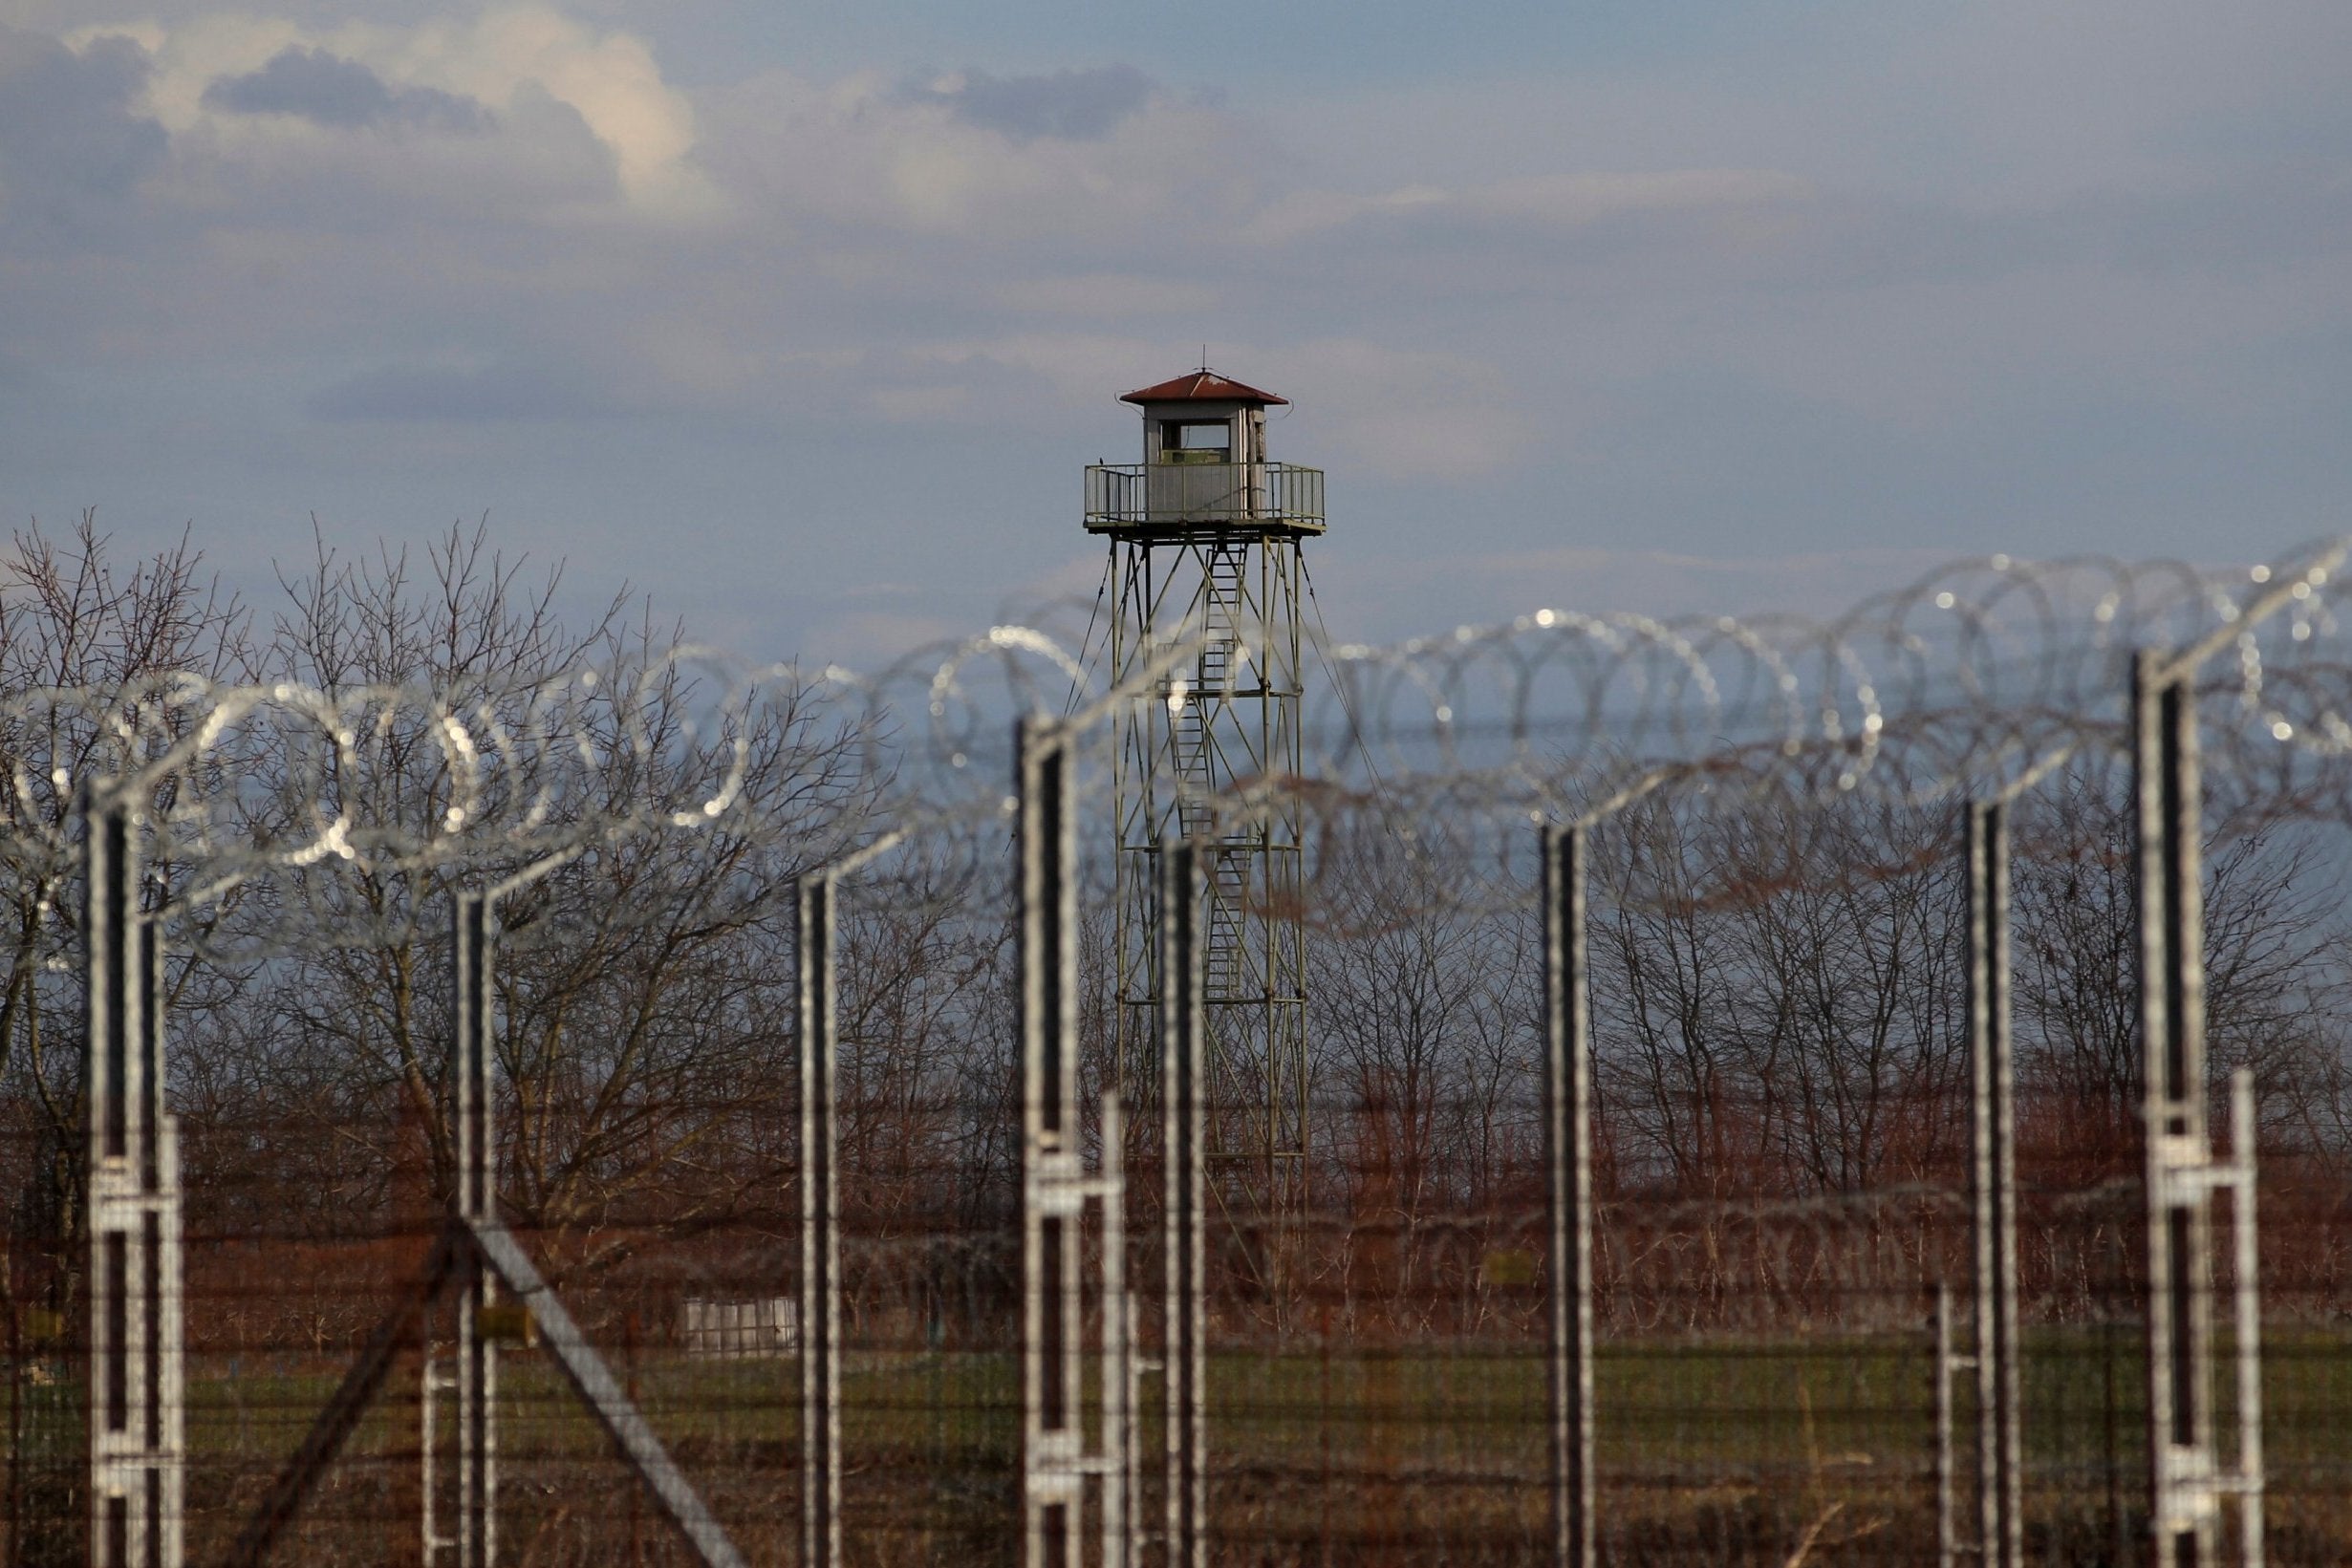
(1202, 386)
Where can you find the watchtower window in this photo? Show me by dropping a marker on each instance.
(1196, 440)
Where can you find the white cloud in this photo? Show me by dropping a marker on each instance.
(1561, 199)
(1925, 276)
(515, 59)
(1396, 414)
(864, 152)
(611, 78)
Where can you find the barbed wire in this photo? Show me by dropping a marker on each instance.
(651, 1165)
(1978, 679)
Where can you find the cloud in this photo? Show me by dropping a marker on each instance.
(1400, 414)
(314, 85)
(610, 78)
(242, 84)
(70, 138)
(500, 392)
(1735, 308)
(1375, 409)
(864, 153)
(1074, 105)
(1078, 370)
(1540, 201)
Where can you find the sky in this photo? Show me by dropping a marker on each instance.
(805, 320)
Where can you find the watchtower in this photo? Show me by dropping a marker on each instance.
(1206, 534)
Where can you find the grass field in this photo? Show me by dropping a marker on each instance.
(1722, 1450)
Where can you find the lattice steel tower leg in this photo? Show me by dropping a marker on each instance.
(1208, 582)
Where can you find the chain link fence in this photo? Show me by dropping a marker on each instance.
(1777, 1093)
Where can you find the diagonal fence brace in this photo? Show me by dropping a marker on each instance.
(604, 1398)
(497, 1250)
(344, 1407)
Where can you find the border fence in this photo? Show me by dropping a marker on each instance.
(1781, 1092)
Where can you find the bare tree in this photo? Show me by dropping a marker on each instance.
(78, 623)
(2272, 940)
(644, 985)
(72, 620)
(1420, 1028)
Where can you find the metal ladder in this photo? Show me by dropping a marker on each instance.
(1225, 956)
(1224, 952)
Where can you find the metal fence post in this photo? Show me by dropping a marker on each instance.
(1567, 1150)
(1060, 1467)
(165, 1303)
(1993, 1190)
(471, 1127)
(2183, 1505)
(1109, 1190)
(2248, 1260)
(1049, 1111)
(1184, 1137)
(820, 1241)
(136, 1448)
(110, 950)
(1947, 1535)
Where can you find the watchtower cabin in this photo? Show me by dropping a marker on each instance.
(1204, 467)
(1205, 536)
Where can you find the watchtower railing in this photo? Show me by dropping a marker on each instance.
(1156, 494)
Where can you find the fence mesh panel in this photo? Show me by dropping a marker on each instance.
(1783, 980)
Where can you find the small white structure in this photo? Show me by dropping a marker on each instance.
(740, 1330)
(1205, 477)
